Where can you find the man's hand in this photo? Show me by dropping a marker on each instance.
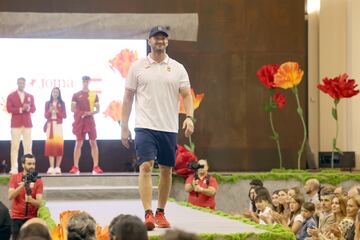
(125, 134)
(197, 188)
(188, 125)
(314, 232)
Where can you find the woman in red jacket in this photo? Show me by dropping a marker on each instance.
(55, 112)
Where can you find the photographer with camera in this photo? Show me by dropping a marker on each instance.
(25, 192)
(201, 186)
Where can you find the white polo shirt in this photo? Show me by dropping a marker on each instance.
(156, 87)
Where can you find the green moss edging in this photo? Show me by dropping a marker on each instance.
(333, 177)
(4, 180)
(273, 232)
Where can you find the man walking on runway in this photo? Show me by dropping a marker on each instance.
(156, 82)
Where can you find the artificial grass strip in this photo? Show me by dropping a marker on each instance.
(331, 176)
(4, 180)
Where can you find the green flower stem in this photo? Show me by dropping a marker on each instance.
(336, 102)
(275, 136)
(301, 115)
(192, 145)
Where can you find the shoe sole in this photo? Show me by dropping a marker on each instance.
(77, 173)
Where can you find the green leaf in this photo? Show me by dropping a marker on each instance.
(338, 150)
(275, 136)
(334, 143)
(334, 113)
(268, 107)
(187, 147)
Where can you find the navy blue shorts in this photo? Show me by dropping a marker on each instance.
(155, 145)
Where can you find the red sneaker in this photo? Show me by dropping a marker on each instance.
(97, 170)
(161, 221)
(75, 170)
(149, 221)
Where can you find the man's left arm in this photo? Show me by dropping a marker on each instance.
(188, 123)
(32, 104)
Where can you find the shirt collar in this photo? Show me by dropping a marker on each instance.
(166, 59)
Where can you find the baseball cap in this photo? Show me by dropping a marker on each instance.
(158, 29)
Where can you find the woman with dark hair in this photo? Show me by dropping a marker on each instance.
(252, 195)
(55, 112)
(275, 201)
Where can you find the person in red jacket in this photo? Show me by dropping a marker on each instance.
(55, 112)
(20, 105)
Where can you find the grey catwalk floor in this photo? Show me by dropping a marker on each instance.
(180, 217)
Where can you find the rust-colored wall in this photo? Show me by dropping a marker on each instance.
(236, 37)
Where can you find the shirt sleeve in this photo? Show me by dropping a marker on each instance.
(184, 78)
(74, 98)
(13, 183)
(298, 218)
(213, 183)
(40, 186)
(131, 79)
(189, 179)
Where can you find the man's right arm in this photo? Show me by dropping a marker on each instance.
(14, 192)
(126, 110)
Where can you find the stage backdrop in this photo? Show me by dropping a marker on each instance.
(235, 38)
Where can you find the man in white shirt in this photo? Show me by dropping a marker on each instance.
(311, 188)
(155, 82)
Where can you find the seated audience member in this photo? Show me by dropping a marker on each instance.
(127, 227)
(263, 191)
(312, 187)
(354, 191)
(292, 192)
(296, 218)
(326, 215)
(307, 212)
(338, 208)
(202, 187)
(35, 227)
(275, 201)
(256, 183)
(5, 222)
(264, 215)
(178, 235)
(252, 195)
(81, 226)
(283, 215)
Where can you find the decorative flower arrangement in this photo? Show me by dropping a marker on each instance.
(114, 111)
(183, 158)
(289, 75)
(276, 99)
(338, 88)
(197, 98)
(123, 60)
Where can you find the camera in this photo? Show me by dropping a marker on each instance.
(32, 176)
(193, 165)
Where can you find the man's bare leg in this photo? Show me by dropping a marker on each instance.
(145, 184)
(164, 185)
